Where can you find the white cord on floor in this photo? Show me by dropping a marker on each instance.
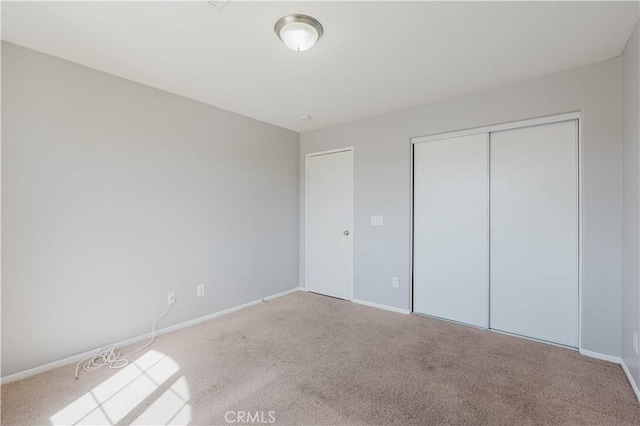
(109, 357)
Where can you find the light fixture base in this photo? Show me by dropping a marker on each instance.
(298, 32)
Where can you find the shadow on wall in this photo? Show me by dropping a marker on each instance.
(149, 391)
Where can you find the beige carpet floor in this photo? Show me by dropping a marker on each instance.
(309, 359)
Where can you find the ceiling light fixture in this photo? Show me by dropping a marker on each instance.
(298, 32)
(305, 118)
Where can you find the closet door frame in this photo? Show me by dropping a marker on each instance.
(495, 128)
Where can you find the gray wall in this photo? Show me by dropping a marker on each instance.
(631, 202)
(382, 184)
(115, 193)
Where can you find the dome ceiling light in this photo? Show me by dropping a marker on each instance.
(298, 32)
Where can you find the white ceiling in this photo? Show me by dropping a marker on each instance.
(374, 57)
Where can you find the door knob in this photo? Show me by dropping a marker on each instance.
(346, 232)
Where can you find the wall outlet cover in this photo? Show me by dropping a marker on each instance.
(395, 282)
(200, 290)
(377, 221)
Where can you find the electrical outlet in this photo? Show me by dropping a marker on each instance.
(377, 221)
(395, 282)
(635, 341)
(200, 290)
(171, 297)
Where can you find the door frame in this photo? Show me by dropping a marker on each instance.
(306, 207)
(576, 115)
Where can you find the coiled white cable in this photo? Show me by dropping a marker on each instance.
(109, 357)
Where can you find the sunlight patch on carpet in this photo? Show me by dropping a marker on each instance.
(137, 384)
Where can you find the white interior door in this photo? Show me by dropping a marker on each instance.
(534, 232)
(451, 229)
(329, 224)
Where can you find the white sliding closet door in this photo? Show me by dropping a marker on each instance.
(534, 232)
(451, 229)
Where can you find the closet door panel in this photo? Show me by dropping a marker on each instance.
(534, 232)
(451, 229)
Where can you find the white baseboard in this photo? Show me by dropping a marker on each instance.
(634, 385)
(379, 306)
(616, 360)
(597, 355)
(78, 357)
(75, 358)
(374, 305)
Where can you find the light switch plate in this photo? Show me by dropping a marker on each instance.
(377, 221)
